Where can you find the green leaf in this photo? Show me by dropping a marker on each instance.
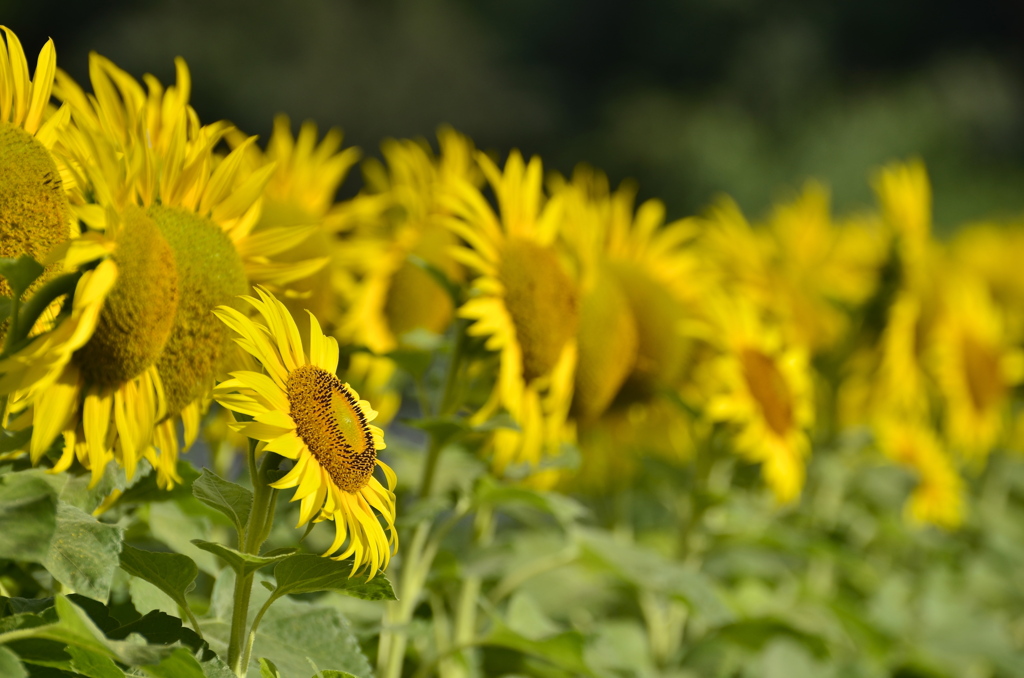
(305, 573)
(414, 361)
(441, 429)
(330, 673)
(28, 513)
(231, 499)
(565, 510)
(284, 551)
(172, 573)
(144, 490)
(14, 440)
(178, 664)
(649, 570)
(214, 667)
(84, 553)
(20, 273)
(79, 491)
(173, 525)
(243, 563)
(10, 665)
(268, 669)
(73, 628)
(564, 650)
(291, 634)
(755, 634)
(93, 664)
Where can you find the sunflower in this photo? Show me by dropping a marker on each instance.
(993, 252)
(35, 216)
(178, 220)
(888, 374)
(938, 498)
(763, 387)
(821, 267)
(803, 266)
(905, 198)
(524, 302)
(302, 411)
(299, 215)
(38, 369)
(637, 282)
(975, 366)
(397, 232)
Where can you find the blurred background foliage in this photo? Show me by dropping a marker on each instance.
(690, 98)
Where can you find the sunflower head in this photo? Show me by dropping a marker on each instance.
(762, 387)
(137, 317)
(210, 274)
(661, 349)
(415, 299)
(938, 498)
(975, 365)
(302, 411)
(330, 420)
(608, 344)
(34, 213)
(542, 301)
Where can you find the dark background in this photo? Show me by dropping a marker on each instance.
(691, 98)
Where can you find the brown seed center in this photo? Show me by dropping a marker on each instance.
(984, 378)
(769, 389)
(331, 423)
(543, 303)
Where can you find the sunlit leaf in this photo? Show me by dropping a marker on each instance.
(93, 664)
(292, 633)
(84, 552)
(564, 650)
(178, 664)
(229, 498)
(268, 669)
(28, 513)
(10, 665)
(305, 573)
(243, 563)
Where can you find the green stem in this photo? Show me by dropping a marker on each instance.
(239, 612)
(24, 316)
(192, 619)
(451, 381)
(697, 499)
(469, 593)
(260, 522)
(394, 637)
(415, 565)
(430, 466)
(252, 631)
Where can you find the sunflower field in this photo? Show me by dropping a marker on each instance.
(481, 418)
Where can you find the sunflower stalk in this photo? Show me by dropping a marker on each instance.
(420, 555)
(257, 529)
(469, 593)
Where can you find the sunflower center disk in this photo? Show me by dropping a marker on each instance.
(34, 212)
(661, 353)
(608, 344)
(329, 420)
(415, 299)
(136, 319)
(210, 274)
(543, 303)
(769, 389)
(984, 378)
